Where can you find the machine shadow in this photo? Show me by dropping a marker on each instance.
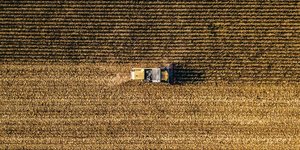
(185, 74)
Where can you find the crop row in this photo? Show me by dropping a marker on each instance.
(94, 8)
(203, 35)
(177, 3)
(216, 58)
(129, 16)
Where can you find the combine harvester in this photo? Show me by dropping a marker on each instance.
(162, 74)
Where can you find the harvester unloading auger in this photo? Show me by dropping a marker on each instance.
(161, 74)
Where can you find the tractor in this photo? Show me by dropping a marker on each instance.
(162, 74)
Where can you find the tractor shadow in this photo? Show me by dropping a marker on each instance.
(185, 74)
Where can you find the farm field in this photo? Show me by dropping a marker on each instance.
(96, 106)
(232, 41)
(64, 74)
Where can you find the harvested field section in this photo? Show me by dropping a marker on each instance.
(234, 41)
(72, 106)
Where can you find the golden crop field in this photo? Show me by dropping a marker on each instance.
(65, 82)
(96, 106)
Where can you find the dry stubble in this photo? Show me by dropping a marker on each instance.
(79, 106)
